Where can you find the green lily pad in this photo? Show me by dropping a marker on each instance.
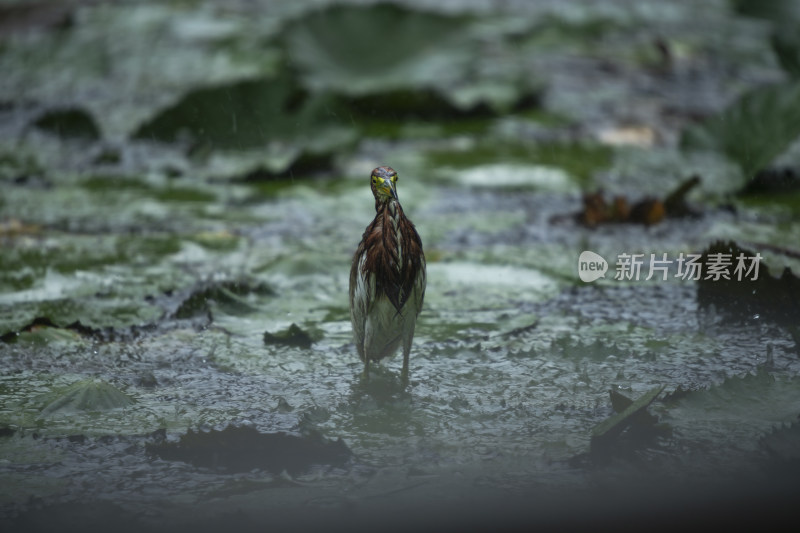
(294, 335)
(83, 313)
(75, 123)
(391, 60)
(229, 296)
(359, 50)
(271, 117)
(753, 130)
(121, 64)
(786, 43)
(242, 114)
(88, 395)
(515, 177)
(609, 428)
(70, 281)
(242, 449)
(773, 10)
(783, 445)
(733, 409)
(785, 18)
(580, 160)
(43, 334)
(411, 104)
(741, 293)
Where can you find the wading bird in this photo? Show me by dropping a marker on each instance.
(387, 278)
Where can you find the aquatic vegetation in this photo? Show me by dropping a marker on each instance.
(88, 395)
(181, 196)
(754, 130)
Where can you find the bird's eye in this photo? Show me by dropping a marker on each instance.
(394, 178)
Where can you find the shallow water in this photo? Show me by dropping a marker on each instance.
(510, 372)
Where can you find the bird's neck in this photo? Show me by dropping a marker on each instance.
(389, 207)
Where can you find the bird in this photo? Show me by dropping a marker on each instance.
(387, 278)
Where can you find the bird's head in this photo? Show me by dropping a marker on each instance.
(383, 183)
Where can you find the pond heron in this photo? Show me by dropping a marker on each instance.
(387, 278)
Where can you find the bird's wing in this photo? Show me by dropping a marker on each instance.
(419, 287)
(362, 297)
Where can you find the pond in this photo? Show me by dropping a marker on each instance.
(183, 188)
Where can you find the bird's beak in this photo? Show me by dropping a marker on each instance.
(388, 188)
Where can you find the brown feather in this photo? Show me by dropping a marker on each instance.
(380, 240)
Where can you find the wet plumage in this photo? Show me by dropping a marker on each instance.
(387, 278)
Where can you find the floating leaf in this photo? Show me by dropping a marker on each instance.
(515, 176)
(123, 63)
(79, 313)
(242, 449)
(772, 10)
(270, 124)
(786, 43)
(785, 18)
(580, 160)
(228, 296)
(741, 293)
(88, 395)
(75, 123)
(42, 334)
(773, 181)
(734, 409)
(410, 104)
(754, 129)
(359, 50)
(783, 445)
(294, 335)
(607, 430)
(393, 61)
(242, 114)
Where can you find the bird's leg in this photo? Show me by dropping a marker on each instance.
(366, 368)
(404, 372)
